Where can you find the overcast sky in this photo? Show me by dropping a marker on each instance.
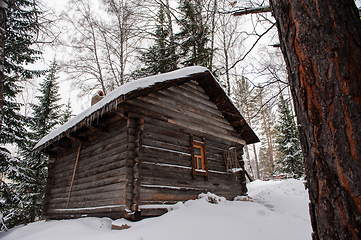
(78, 105)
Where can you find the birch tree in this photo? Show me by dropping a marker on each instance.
(100, 48)
(85, 66)
(125, 33)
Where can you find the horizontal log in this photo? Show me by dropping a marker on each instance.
(116, 187)
(92, 150)
(86, 164)
(186, 162)
(107, 185)
(191, 102)
(167, 145)
(160, 133)
(115, 195)
(204, 130)
(159, 198)
(199, 122)
(60, 216)
(187, 111)
(153, 212)
(146, 202)
(190, 95)
(99, 209)
(181, 134)
(207, 185)
(181, 173)
(159, 168)
(195, 85)
(105, 190)
(160, 152)
(98, 173)
(61, 204)
(193, 91)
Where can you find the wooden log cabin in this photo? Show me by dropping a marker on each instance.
(150, 143)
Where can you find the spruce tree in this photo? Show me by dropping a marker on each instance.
(46, 115)
(29, 186)
(20, 33)
(67, 114)
(290, 161)
(194, 35)
(160, 57)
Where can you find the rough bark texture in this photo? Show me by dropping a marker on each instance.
(321, 44)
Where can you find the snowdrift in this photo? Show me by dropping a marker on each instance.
(274, 210)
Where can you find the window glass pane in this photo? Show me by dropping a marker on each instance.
(199, 163)
(197, 151)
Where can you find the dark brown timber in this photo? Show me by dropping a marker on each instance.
(321, 44)
(136, 152)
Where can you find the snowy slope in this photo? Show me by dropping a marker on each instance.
(278, 211)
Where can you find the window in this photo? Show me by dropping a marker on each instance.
(199, 158)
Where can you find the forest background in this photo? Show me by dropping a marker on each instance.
(85, 45)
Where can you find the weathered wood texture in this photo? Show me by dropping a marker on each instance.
(142, 156)
(321, 43)
(135, 127)
(99, 180)
(170, 117)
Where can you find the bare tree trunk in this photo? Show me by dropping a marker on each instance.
(254, 146)
(3, 7)
(226, 63)
(213, 30)
(249, 161)
(96, 58)
(321, 44)
(269, 139)
(170, 28)
(256, 160)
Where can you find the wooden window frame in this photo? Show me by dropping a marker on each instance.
(199, 165)
(203, 171)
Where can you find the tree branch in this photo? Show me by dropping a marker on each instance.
(245, 11)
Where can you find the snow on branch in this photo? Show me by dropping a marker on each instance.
(245, 11)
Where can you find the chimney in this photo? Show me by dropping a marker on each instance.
(98, 95)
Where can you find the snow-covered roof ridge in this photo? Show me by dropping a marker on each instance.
(111, 99)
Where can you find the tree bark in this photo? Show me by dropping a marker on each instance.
(321, 44)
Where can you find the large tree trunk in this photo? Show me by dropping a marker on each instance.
(321, 44)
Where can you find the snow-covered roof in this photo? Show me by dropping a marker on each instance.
(146, 85)
(111, 100)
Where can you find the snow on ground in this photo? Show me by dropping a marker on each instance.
(279, 211)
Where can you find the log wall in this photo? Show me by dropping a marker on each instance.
(100, 178)
(142, 157)
(170, 117)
